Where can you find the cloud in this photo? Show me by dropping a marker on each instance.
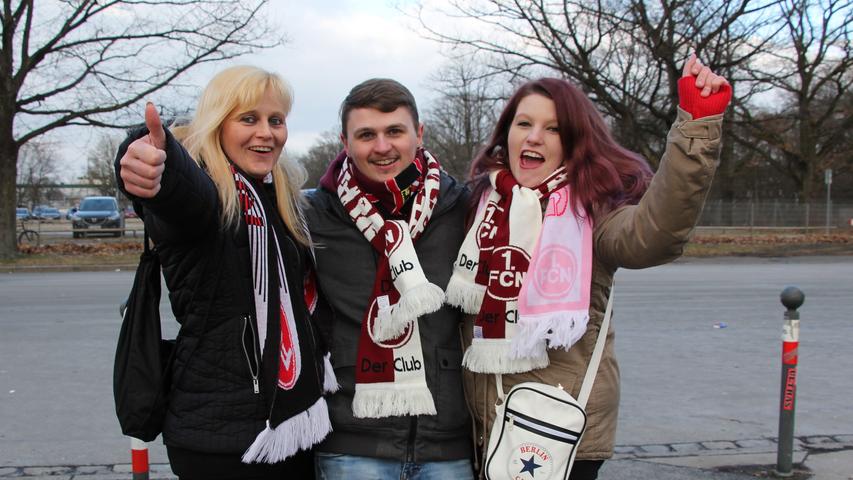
(332, 46)
(333, 49)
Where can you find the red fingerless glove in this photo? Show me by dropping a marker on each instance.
(690, 101)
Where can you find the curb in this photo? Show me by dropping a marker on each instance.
(65, 268)
(724, 454)
(809, 443)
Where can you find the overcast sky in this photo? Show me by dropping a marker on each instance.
(332, 46)
(335, 44)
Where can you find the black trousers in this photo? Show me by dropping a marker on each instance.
(192, 465)
(585, 469)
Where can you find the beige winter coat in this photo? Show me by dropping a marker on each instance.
(650, 233)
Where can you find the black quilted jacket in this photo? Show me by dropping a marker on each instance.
(213, 406)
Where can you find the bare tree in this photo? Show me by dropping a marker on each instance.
(319, 156)
(461, 119)
(805, 127)
(37, 173)
(99, 167)
(84, 62)
(625, 54)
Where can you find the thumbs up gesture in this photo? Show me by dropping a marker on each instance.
(143, 164)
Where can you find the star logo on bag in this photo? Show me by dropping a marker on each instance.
(530, 465)
(529, 461)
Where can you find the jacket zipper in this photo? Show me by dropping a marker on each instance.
(253, 368)
(413, 431)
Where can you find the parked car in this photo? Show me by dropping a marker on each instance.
(129, 212)
(22, 213)
(97, 213)
(43, 212)
(71, 211)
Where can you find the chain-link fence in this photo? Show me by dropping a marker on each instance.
(776, 213)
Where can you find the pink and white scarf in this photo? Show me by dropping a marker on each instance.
(390, 370)
(526, 278)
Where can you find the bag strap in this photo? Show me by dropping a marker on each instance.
(145, 238)
(594, 361)
(592, 370)
(597, 352)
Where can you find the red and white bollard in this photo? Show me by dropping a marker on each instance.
(139, 459)
(792, 298)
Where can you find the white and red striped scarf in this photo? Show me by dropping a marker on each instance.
(288, 429)
(390, 377)
(526, 278)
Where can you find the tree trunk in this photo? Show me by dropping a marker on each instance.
(8, 202)
(8, 148)
(808, 150)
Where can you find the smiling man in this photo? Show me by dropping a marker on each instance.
(387, 221)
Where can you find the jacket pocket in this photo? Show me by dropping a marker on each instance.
(450, 399)
(251, 354)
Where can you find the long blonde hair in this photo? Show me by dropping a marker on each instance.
(236, 89)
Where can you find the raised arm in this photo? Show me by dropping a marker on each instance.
(154, 169)
(656, 229)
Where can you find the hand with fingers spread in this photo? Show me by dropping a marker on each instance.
(701, 92)
(143, 164)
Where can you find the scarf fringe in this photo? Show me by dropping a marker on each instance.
(493, 356)
(417, 301)
(465, 294)
(330, 381)
(559, 330)
(299, 432)
(567, 332)
(528, 340)
(376, 401)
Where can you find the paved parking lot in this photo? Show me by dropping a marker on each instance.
(686, 384)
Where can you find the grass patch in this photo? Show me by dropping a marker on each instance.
(770, 244)
(125, 251)
(81, 253)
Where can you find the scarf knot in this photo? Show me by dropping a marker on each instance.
(505, 183)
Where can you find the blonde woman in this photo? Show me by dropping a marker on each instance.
(222, 207)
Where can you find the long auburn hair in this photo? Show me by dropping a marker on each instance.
(234, 89)
(602, 174)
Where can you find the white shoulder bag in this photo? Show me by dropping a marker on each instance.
(538, 427)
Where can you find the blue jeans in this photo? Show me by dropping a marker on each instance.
(333, 466)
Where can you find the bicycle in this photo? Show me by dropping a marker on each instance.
(27, 236)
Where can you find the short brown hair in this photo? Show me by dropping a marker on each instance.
(383, 94)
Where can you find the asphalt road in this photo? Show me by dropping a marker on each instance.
(683, 379)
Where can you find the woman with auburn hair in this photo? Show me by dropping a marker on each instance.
(246, 399)
(557, 199)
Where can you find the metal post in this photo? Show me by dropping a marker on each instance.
(776, 212)
(751, 215)
(792, 298)
(827, 179)
(808, 213)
